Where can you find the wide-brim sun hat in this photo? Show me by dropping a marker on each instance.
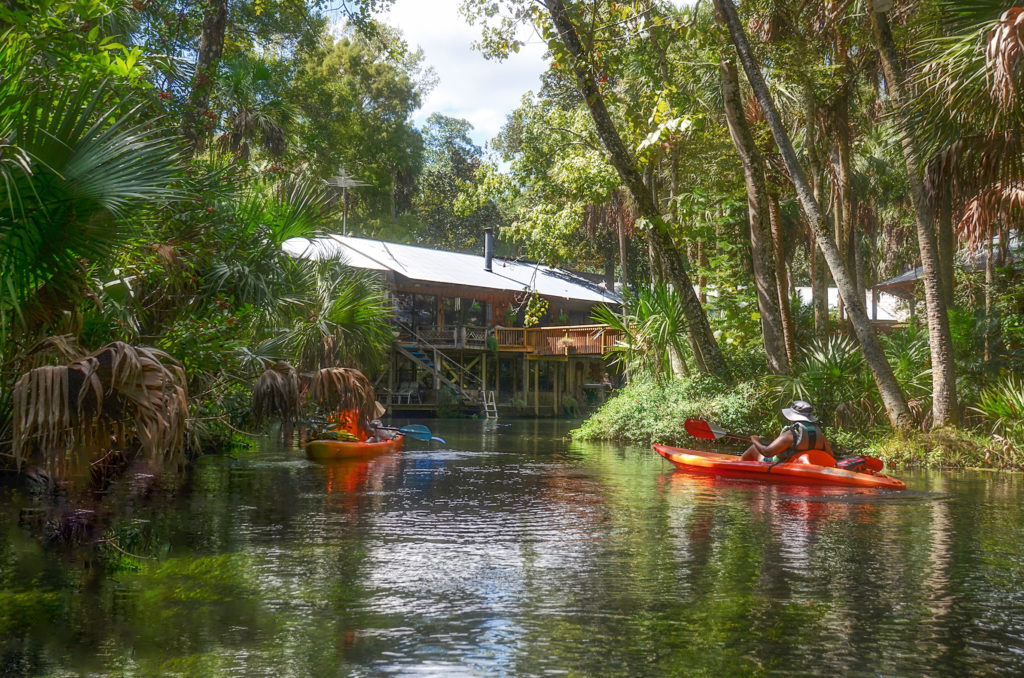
(799, 410)
(378, 409)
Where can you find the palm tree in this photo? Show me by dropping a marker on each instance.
(343, 319)
(653, 331)
(969, 119)
(76, 158)
(253, 111)
(944, 402)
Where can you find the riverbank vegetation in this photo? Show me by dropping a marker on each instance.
(734, 154)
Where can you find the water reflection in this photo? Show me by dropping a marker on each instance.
(513, 552)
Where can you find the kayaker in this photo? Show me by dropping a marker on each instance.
(379, 434)
(801, 435)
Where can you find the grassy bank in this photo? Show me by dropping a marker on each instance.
(647, 411)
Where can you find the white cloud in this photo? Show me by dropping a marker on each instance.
(469, 86)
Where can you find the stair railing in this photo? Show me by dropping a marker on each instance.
(475, 382)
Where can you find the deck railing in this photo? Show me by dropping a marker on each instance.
(564, 340)
(510, 337)
(570, 340)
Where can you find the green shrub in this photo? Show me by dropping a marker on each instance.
(647, 411)
(1002, 406)
(940, 448)
(832, 376)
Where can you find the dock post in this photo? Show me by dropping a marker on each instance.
(536, 388)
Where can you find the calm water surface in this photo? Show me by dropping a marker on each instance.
(511, 552)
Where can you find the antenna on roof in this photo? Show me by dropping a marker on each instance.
(344, 181)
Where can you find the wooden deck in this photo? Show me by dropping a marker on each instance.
(581, 340)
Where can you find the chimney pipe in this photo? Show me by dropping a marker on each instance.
(488, 248)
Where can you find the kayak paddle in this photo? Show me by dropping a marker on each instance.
(698, 428)
(417, 431)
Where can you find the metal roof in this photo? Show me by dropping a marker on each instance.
(971, 260)
(452, 268)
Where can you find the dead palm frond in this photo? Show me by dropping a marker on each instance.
(993, 204)
(1004, 53)
(341, 388)
(60, 347)
(973, 161)
(276, 395)
(617, 214)
(120, 398)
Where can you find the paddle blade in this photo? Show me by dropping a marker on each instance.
(439, 440)
(698, 428)
(417, 431)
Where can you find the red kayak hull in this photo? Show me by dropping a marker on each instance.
(731, 466)
(340, 449)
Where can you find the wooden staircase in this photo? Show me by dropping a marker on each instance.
(447, 371)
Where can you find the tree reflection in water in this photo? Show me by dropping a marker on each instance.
(512, 552)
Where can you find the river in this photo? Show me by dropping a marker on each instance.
(511, 551)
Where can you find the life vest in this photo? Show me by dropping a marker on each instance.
(814, 435)
(348, 420)
(802, 430)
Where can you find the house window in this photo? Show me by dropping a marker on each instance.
(425, 310)
(418, 310)
(402, 303)
(464, 311)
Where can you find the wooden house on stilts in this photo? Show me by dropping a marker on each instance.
(459, 341)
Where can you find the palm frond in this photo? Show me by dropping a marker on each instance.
(1004, 53)
(76, 158)
(339, 389)
(119, 398)
(990, 206)
(276, 395)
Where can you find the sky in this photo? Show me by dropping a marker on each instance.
(469, 86)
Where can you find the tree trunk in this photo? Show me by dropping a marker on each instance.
(677, 362)
(944, 405)
(819, 274)
(666, 251)
(211, 46)
(837, 220)
(702, 265)
(761, 253)
(819, 289)
(888, 388)
(782, 278)
(846, 203)
(947, 247)
(990, 279)
(620, 230)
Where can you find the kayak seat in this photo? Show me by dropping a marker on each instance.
(817, 457)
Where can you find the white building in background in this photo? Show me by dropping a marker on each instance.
(890, 308)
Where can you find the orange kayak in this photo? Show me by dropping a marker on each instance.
(340, 449)
(797, 470)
